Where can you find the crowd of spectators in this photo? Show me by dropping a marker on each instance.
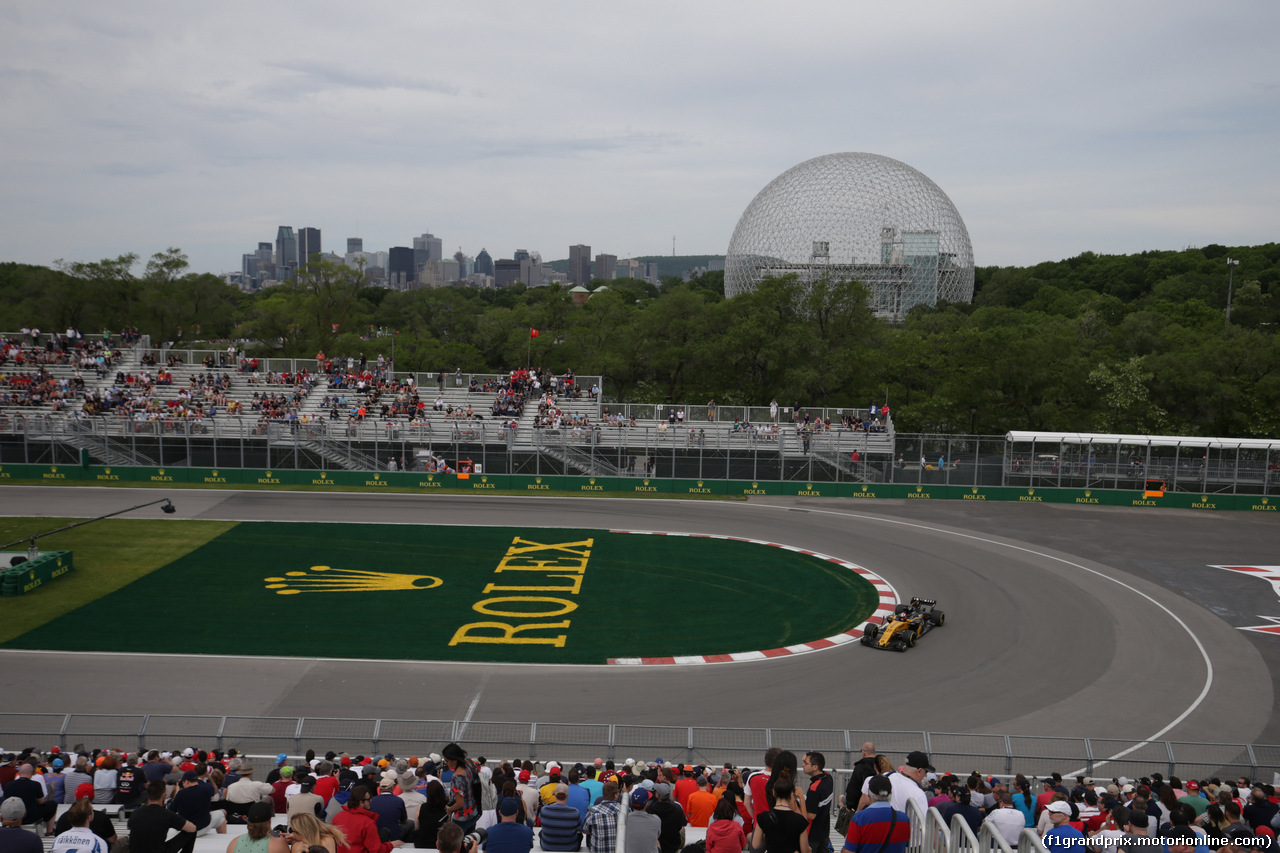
(373, 804)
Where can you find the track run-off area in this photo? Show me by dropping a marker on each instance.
(1061, 620)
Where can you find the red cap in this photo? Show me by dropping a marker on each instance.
(346, 761)
(85, 789)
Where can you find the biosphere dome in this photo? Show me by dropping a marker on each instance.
(855, 216)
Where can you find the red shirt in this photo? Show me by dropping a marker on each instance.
(757, 785)
(684, 787)
(325, 787)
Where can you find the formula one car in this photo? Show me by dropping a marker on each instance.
(909, 623)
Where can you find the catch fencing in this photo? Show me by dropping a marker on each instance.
(998, 754)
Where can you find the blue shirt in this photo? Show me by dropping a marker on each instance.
(580, 799)
(869, 830)
(506, 837)
(1064, 837)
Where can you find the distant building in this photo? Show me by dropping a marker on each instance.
(606, 267)
(286, 248)
(308, 244)
(580, 264)
(400, 270)
(579, 294)
(509, 271)
(355, 244)
(628, 268)
(484, 263)
(651, 272)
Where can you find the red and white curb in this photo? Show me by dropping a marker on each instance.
(888, 600)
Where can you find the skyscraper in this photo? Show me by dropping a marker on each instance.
(484, 263)
(400, 267)
(579, 264)
(355, 244)
(606, 267)
(286, 247)
(308, 244)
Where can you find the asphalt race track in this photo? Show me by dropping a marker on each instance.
(1061, 620)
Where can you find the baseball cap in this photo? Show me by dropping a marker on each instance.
(880, 786)
(919, 760)
(85, 789)
(638, 797)
(188, 752)
(1059, 807)
(280, 758)
(57, 764)
(662, 790)
(190, 776)
(287, 770)
(1193, 785)
(509, 806)
(524, 775)
(14, 809)
(1126, 789)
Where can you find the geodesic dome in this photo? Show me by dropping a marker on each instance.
(855, 216)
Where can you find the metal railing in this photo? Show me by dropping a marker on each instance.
(989, 753)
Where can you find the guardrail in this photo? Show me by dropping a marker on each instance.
(989, 753)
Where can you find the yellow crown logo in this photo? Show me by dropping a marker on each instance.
(1204, 498)
(106, 470)
(486, 479)
(592, 481)
(348, 580)
(699, 484)
(1088, 493)
(808, 487)
(646, 482)
(919, 488)
(1031, 491)
(268, 473)
(377, 476)
(431, 478)
(1264, 500)
(323, 475)
(975, 489)
(215, 472)
(537, 479)
(864, 488)
(755, 485)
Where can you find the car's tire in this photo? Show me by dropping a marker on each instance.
(872, 631)
(911, 638)
(937, 617)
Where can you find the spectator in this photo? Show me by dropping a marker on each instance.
(13, 838)
(878, 828)
(671, 815)
(360, 825)
(601, 826)
(39, 808)
(100, 825)
(390, 809)
(1006, 819)
(431, 816)
(150, 824)
(781, 829)
(307, 831)
(643, 828)
(194, 802)
(244, 791)
(758, 782)
(561, 823)
(702, 802)
(724, 832)
(509, 835)
(817, 799)
(79, 838)
(1062, 834)
(863, 769)
(258, 838)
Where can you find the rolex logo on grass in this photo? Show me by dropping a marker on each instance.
(329, 579)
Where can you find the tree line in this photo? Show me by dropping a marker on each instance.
(1116, 343)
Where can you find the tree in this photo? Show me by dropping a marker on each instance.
(1126, 401)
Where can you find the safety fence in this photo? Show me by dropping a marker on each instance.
(998, 754)
(472, 483)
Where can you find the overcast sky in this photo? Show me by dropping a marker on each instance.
(1055, 128)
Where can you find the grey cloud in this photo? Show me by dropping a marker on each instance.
(324, 76)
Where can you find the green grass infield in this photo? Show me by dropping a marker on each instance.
(418, 592)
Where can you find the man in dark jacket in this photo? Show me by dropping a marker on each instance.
(863, 769)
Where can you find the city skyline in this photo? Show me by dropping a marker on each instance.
(1055, 129)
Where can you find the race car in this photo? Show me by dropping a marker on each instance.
(909, 623)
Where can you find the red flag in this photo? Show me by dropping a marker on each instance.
(533, 333)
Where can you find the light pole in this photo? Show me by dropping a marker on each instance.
(1232, 263)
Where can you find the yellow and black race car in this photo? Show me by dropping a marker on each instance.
(909, 623)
